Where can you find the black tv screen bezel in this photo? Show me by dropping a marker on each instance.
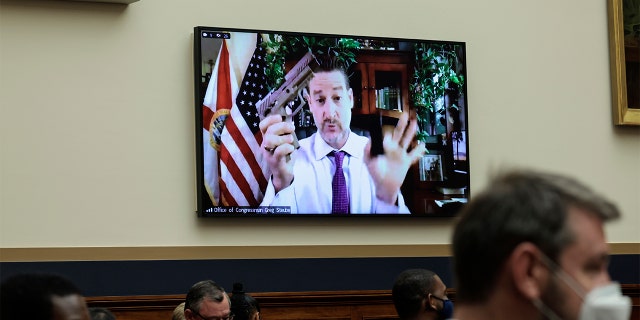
(452, 209)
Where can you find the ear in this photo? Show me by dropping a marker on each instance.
(429, 303)
(529, 275)
(350, 93)
(188, 314)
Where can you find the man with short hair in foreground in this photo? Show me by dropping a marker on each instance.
(532, 246)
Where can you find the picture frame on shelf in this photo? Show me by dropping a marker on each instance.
(430, 168)
(625, 62)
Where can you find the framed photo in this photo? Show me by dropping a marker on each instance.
(624, 52)
(430, 167)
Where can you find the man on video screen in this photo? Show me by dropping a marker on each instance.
(333, 171)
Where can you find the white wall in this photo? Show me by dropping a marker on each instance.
(98, 131)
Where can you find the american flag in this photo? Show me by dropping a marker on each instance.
(243, 171)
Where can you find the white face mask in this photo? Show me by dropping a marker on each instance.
(606, 302)
(601, 303)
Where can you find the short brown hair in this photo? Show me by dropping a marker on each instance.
(517, 206)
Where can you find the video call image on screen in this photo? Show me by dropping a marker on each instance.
(243, 75)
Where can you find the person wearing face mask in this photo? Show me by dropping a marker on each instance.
(306, 179)
(532, 246)
(420, 294)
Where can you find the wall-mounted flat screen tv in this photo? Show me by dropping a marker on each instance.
(281, 132)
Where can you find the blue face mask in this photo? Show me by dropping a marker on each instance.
(447, 310)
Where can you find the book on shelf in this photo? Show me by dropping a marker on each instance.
(388, 98)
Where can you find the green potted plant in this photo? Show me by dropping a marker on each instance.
(436, 73)
(279, 48)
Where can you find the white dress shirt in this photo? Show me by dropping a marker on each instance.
(310, 191)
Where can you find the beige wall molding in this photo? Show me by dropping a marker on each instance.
(242, 252)
(220, 252)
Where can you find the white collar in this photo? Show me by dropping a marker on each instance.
(322, 149)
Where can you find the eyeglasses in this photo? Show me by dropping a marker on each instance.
(229, 317)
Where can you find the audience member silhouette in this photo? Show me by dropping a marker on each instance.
(41, 296)
(97, 313)
(207, 300)
(420, 294)
(178, 312)
(243, 306)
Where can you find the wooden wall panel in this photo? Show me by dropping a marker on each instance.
(375, 312)
(324, 305)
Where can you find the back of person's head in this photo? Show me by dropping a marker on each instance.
(98, 313)
(178, 312)
(243, 306)
(409, 291)
(516, 207)
(31, 295)
(205, 289)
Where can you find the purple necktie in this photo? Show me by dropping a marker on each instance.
(340, 203)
